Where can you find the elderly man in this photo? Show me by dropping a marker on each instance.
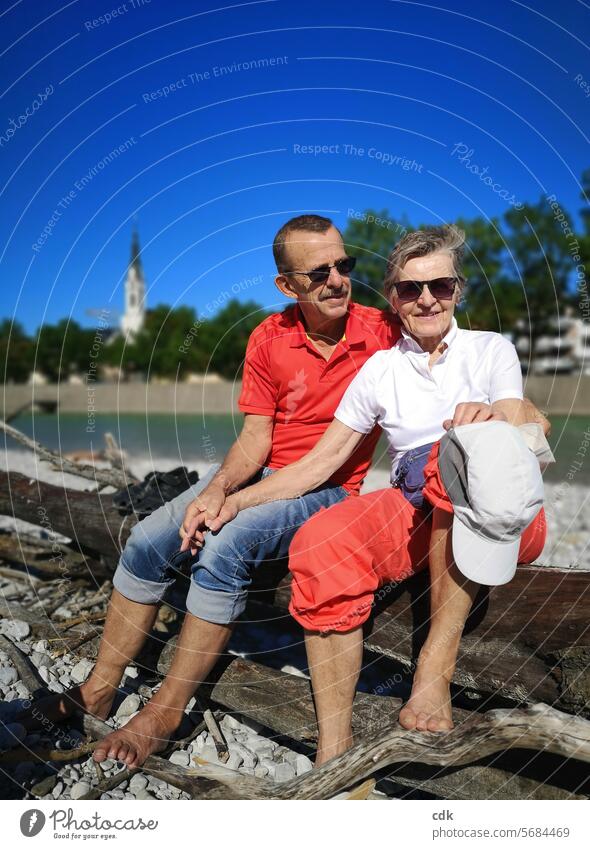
(297, 366)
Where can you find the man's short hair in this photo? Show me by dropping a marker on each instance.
(300, 224)
(422, 242)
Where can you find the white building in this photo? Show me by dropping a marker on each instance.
(134, 316)
(564, 349)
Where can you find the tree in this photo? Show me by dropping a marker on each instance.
(540, 263)
(228, 333)
(63, 348)
(157, 348)
(492, 300)
(16, 351)
(371, 239)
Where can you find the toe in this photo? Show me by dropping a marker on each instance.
(100, 753)
(122, 751)
(407, 719)
(422, 722)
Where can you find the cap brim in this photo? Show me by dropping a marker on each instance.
(482, 560)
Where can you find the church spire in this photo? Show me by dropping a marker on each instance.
(135, 260)
(134, 315)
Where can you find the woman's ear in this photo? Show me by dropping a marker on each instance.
(284, 284)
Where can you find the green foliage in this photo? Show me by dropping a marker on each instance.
(16, 351)
(371, 239)
(62, 348)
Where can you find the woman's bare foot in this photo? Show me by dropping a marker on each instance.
(146, 733)
(326, 752)
(429, 705)
(91, 697)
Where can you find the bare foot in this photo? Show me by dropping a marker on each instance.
(328, 751)
(96, 699)
(429, 705)
(146, 733)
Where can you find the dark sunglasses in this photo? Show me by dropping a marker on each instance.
(441, 288)
(321, 274)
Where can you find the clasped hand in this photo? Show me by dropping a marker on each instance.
(210, 511)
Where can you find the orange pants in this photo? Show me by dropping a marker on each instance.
(344, 553)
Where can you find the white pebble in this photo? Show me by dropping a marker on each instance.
(180, 758)
(283, 772)
(80, 789)
(8, 675)
(137, 783)
(81, 670)
(128, 706)
(57, 790)
(302, 765)
(144, 794)
(15, 628)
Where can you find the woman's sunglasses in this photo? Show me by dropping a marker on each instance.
(322, 272)
(441, 288)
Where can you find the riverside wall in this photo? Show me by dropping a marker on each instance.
(560, 395)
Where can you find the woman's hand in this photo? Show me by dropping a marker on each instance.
(472, 412)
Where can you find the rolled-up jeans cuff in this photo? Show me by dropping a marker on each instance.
(221, 608)
(138, 589)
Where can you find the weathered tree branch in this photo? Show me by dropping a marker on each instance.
(116, 477)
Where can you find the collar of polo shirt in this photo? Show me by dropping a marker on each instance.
(409, 344)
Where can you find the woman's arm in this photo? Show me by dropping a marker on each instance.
(331, 451)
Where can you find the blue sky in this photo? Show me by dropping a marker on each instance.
(90, 139)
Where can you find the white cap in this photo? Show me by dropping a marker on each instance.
(494, 482)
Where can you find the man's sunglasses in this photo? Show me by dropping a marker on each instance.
(321, 274)
(441, 288)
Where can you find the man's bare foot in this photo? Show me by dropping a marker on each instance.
(146, 733)
(429, 705)
(96, 699)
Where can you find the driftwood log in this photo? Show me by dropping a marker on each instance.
(284, 704)
(526, 641)
(536, 728)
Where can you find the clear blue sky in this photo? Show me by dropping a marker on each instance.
(212, 169)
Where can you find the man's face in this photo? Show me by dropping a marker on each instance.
(307, 251)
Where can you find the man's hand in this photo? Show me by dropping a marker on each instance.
(472, 412)
(204, 508)
(193, 532)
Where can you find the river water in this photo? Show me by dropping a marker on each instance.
(163, 441)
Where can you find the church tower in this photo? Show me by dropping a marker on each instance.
(134, 315)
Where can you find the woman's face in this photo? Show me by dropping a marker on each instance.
(427, 319)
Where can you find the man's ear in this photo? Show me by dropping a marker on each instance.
(285, 285)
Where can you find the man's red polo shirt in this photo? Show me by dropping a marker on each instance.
(287, 378)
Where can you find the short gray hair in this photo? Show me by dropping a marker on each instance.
(422, 242)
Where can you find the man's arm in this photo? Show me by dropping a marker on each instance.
(242, 461)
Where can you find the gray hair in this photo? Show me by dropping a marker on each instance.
(422, 242)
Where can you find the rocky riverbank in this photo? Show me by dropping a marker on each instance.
(253, 750)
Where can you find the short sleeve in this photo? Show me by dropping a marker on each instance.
(259, 391)
(358, 408)
(505, 371)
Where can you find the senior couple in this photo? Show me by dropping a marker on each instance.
(322, 379)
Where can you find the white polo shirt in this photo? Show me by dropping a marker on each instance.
(398, 391)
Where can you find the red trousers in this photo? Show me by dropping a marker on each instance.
(342, 555)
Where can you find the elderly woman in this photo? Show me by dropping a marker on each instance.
(435, 378)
